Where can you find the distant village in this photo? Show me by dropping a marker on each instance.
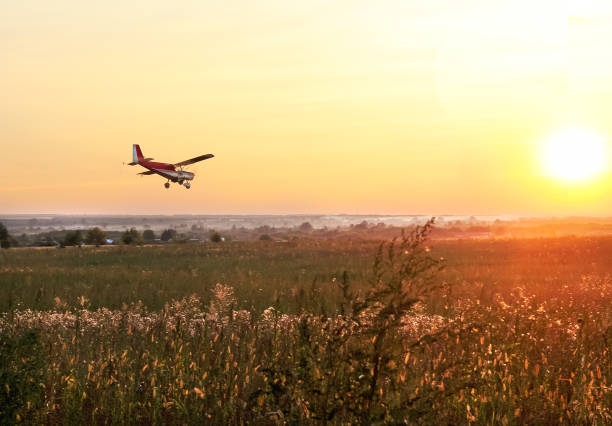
(68, 230)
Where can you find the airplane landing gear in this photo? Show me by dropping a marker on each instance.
(167, 185)
(187, 185)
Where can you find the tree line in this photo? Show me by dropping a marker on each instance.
(96, 236)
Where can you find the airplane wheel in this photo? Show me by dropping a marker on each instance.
(187, 185)
(167, 185)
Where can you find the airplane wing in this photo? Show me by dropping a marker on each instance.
(150, 172)
(195, 160)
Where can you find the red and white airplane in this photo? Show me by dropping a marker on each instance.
(172, 172)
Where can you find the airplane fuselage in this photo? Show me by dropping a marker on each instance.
(167, 170)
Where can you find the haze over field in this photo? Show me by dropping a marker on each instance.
(399, 107)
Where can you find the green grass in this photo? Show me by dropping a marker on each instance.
(112, 276)
(518, 332)
(266, 272)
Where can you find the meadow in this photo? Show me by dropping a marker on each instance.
(310, 331)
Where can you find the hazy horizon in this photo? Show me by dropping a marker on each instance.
(331, 215)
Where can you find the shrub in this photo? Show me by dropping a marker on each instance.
(168, 234)
(365, 341)
(5, 241)
(306, 227)
(96, 236)
(73, 238)
(131, 236)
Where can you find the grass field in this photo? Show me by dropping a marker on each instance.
(309, 331)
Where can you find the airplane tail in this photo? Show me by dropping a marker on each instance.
(137, 156)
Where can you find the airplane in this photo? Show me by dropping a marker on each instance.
(172, 172)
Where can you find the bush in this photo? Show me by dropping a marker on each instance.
(306, 227)
(73, 238)
(362, 226)
(366, 344)
(148, 235)
(96, 236)
(5, 241)
(132, 236)
(168, 234)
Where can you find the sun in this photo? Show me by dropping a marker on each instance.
(574, 155)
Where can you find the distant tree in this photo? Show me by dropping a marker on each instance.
(361, 226)
(131, 236)
(215, 237)
(265, 237)
(96, 236)
(73, 238)
(5, 240)
(148, 235)
(3, 232)
(305, 227)
(168, 234)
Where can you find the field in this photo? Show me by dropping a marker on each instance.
(310, 331)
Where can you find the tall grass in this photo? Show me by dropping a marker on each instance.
(406, 342)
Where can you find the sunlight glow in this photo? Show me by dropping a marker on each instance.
(574, 154)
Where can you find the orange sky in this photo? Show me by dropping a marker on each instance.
(398, 107)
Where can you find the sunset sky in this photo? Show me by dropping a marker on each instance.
(388, 107)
